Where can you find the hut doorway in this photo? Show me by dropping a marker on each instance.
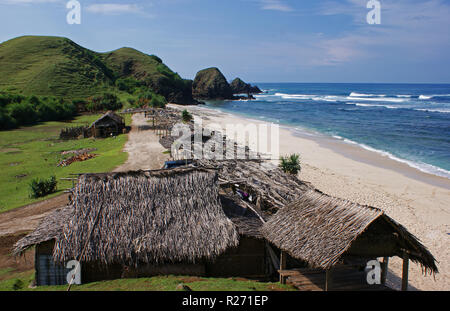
(48, 272)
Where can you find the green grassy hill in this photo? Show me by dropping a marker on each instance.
(52, 66)
(38, 65)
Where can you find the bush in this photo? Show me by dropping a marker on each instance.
(151, 99)
(107, 101)
(158, 101)
(291, 164)
(128, 85)
(6, 121)
(17, 110)
(186, 116)
(41, 187)
(24, 113)
(18, 285)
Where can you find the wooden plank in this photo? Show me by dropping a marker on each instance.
(405, 271)
(328, 280)
(282, 266)
(384, 270)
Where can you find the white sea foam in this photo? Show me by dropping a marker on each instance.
(354, 94)
(423, 167)
(373, 105)
(425, 96)
(404, 96)
(384, 99)
(434, 110)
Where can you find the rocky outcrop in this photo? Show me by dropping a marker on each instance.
(240, 87)
(211, 84)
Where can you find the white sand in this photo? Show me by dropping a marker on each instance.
(419, 201)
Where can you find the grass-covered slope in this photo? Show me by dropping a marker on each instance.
(56, 66)
(149, 69)
(38, 65)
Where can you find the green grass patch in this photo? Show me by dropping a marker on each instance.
(34, 152)
(21, 281)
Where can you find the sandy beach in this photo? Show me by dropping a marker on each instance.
(417, 200)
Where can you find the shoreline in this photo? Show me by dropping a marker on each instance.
(355, 151)
(417, 200)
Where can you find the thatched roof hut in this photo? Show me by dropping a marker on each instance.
(140, 217)
(107, 125)
(321, 230)
(108, 118)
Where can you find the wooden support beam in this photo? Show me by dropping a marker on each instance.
(328, 280)
(405, 271)
(282, 266)
(384, 270)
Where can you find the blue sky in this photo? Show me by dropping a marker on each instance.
(258, 40)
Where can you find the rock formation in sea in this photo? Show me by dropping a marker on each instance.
(210, 83)
(240, 87)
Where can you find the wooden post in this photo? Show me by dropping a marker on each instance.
(328, 280)
(384, 270)
(405, 271)
(282, 267)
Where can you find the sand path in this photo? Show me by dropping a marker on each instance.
(143, 148)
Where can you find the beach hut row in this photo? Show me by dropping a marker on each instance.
(211, 220)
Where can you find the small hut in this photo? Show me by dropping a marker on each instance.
(110, 124)
(139, 224)
(339, 237)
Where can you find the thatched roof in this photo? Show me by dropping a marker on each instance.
(156, 217)
(263, 179)
(109, 115)
(247, 221)
(320, 229)
(50, 228)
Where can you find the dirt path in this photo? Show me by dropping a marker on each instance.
(16, 223)
(143, 147)
(26, 218)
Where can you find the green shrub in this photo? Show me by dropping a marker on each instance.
(107, 101)
(186, 116)
(151, 99)
(17, 110)
(24, 113)
(290, 164)
(158, 101)
(41, 187)
(128, 85)
(18, 284)
(6, 121)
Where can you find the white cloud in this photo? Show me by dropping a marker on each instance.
(275, 5)
(416, 30)
(113, 8)
(28, 1)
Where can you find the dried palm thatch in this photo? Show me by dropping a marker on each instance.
(145, 217)
(50, 228)
(273, 188)
(248, 222)
(319, 229)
